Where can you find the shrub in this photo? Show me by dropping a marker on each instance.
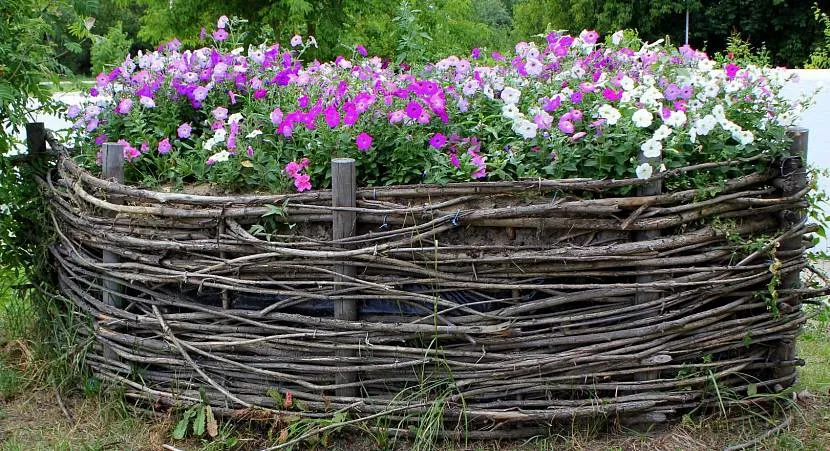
(258, 118)
(108, 51)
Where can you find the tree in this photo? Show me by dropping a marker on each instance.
(787, 27)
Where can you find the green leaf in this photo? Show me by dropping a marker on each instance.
(73, 47)
(199, 422)
(274, 394)
(752, 389)
(181, 427)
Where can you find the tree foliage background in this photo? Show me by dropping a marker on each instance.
(788, 29)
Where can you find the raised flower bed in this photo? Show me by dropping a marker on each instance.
(574, 230)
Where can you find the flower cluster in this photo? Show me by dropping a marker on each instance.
(563, 107)
(302, 182)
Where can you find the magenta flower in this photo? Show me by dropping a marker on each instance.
(438, 140)
(576, 97)
(164, 146)
(350, 117)
(478, 162)
(363, 141)
(612, 95)
(250, 152)
(302, 182)
(476, 53)
(414, 109)
(293, 168)
(566, 126)
(455, 161)
(100, 139)
(361, 50)
(731, 70)
(184, 130)
(332, 116)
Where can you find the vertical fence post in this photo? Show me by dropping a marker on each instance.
(36, 138)
(113, 169)
(344, 225)
(792, 178)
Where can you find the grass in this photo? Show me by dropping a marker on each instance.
(35, 380)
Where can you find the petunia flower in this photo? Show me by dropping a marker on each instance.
(438, 140)
(363, 141)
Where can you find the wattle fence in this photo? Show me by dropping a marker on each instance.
(497, 303)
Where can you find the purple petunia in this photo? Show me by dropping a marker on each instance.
(184, 130)
(220, 35)
(438, 140)
(164, 146)
(124, 106)
(220, 113)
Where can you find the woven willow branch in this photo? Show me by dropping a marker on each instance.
(517, 298)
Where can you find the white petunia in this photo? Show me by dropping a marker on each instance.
(617, 37)
(644, 171)
(745, 137)
(662, 133)
(236, 117)
(253, 134)
(510, 95)
(510, 111)
(706, 65)
(651, 148)
(525, 128)
(627, 83)
(705, 125)
(676, 119)
(219, 157)
(609, 113)
(534, 67)
(642, 118)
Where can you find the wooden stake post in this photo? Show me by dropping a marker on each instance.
(792, 179)
(344, 225)
(113, 170)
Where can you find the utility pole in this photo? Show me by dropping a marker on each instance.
(687, 22)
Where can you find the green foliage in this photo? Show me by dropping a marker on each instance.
(740, 52)
(26, 60)
(820, 57)
(411, 37)
(109, 50)
(711, 22)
